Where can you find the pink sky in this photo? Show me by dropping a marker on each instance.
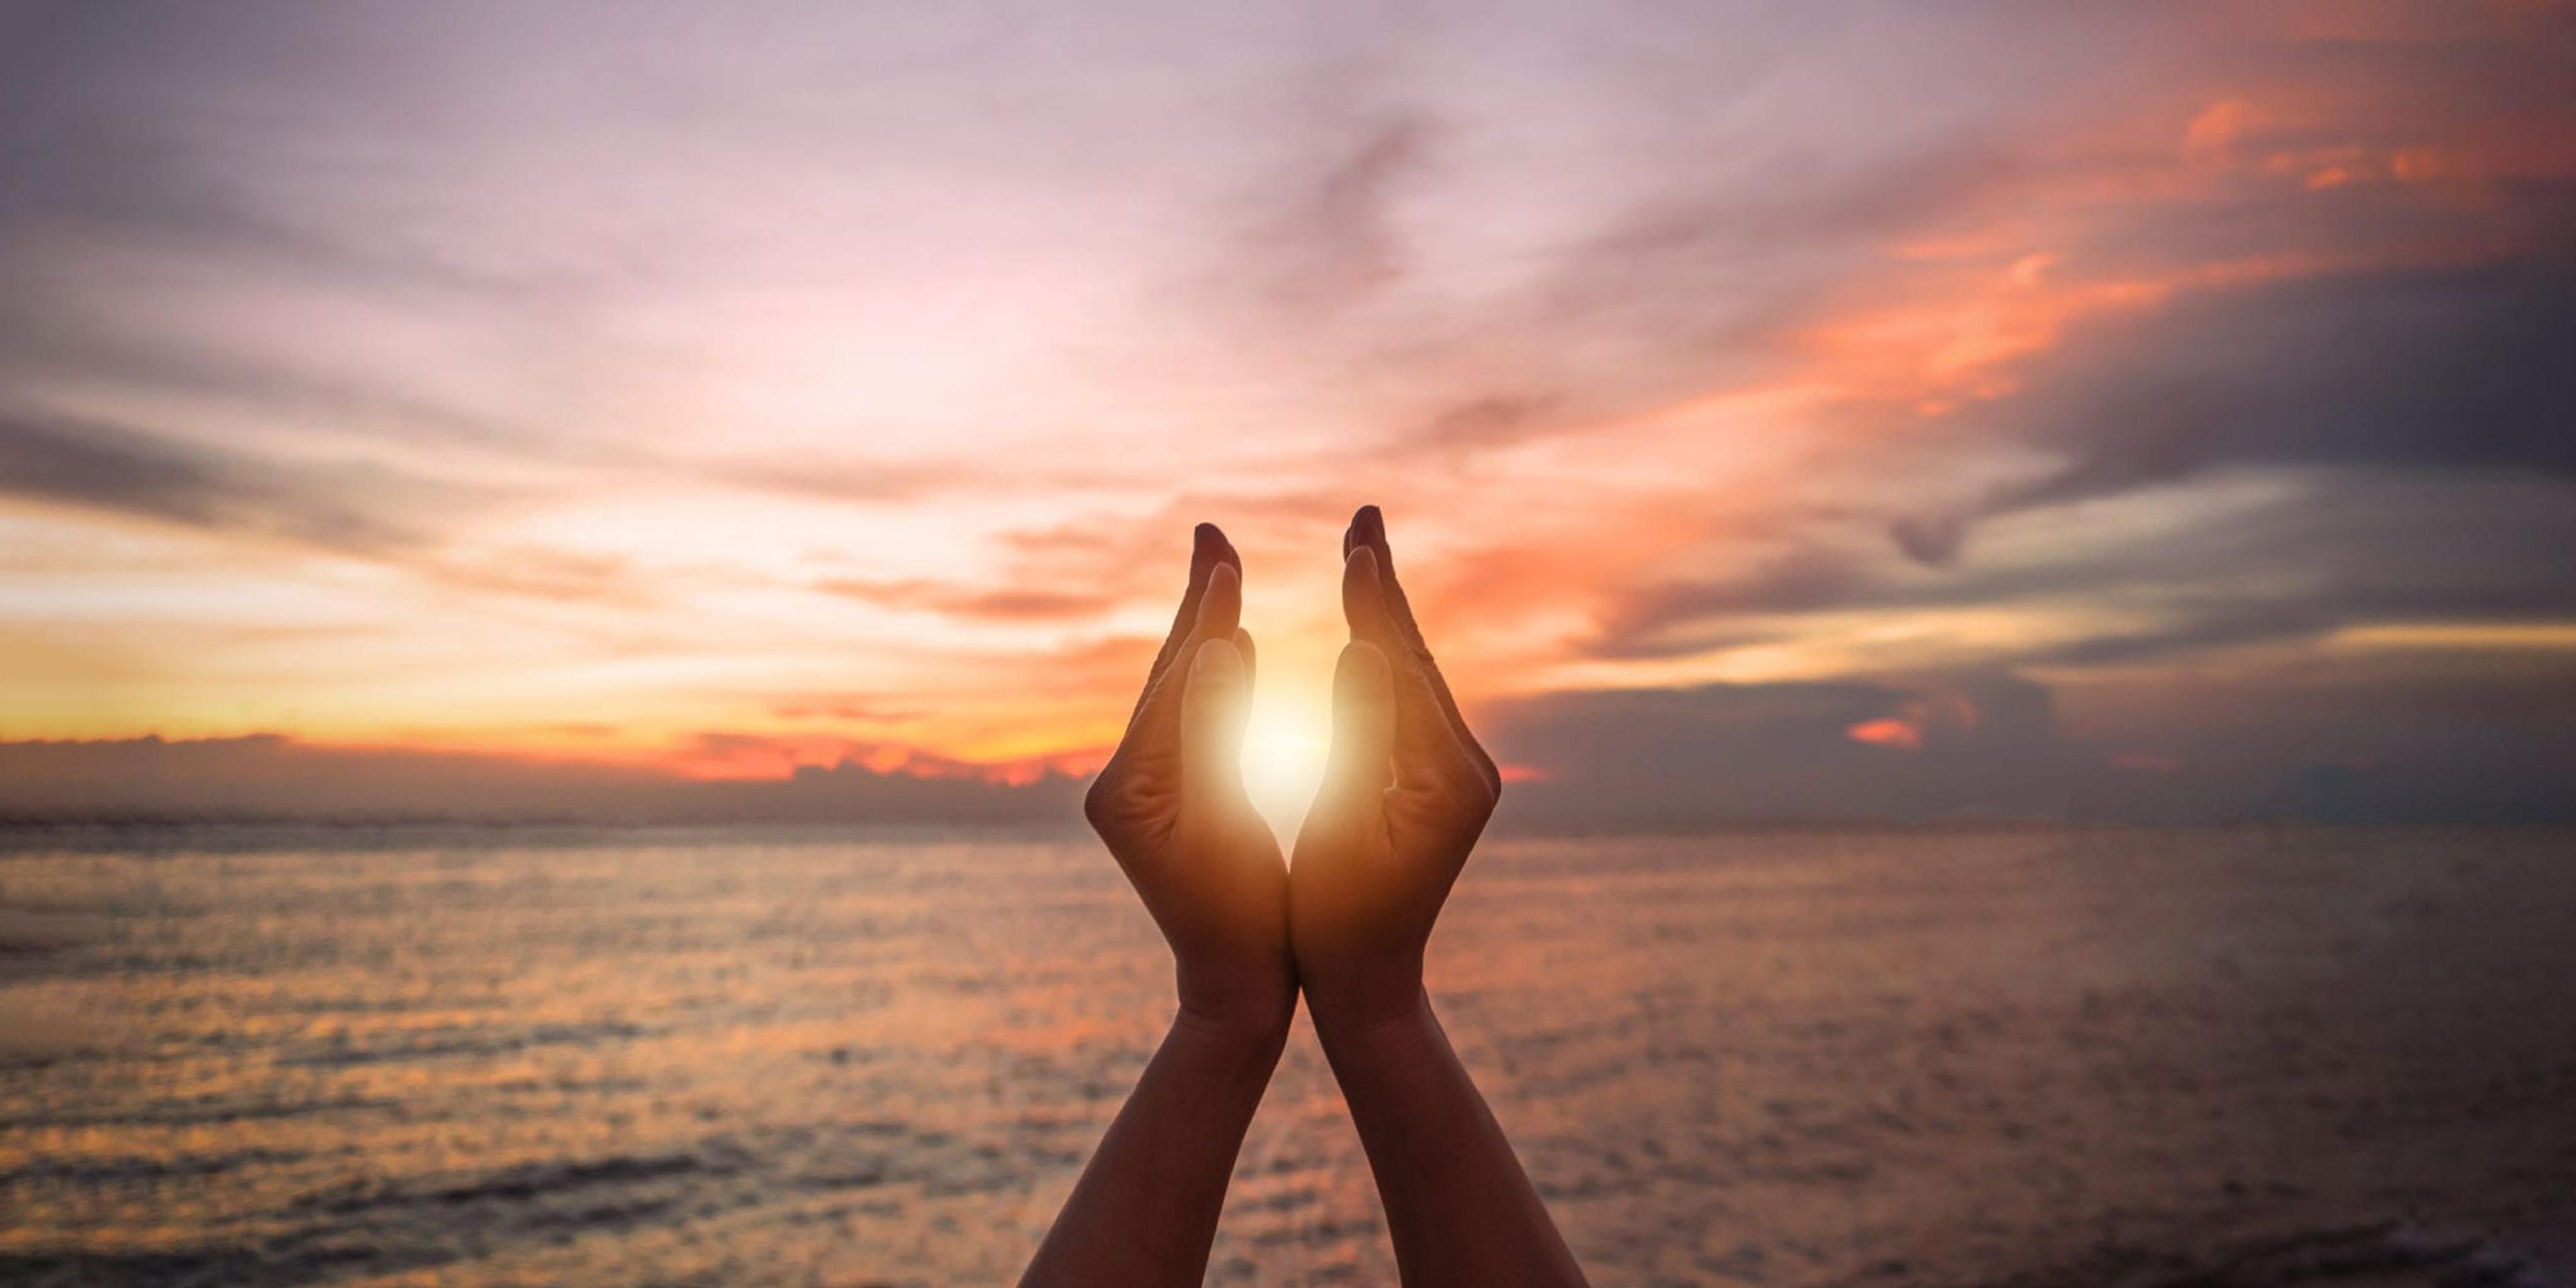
(830, 382)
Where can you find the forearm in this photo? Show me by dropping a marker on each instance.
(1458, 1206)
(1146, 1207)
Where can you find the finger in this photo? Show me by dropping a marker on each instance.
(1208, 548)
(1427, 750)
(1361, 764)
(1215, 700)
(1156, 727)
(1368, 528)
(1221, 607)
(1243, 645)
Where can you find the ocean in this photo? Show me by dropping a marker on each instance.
(270, 1056)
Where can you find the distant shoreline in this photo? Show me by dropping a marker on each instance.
(20, 824)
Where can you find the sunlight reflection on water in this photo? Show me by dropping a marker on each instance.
(780, 1057)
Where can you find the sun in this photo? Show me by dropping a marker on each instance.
(1284, 746)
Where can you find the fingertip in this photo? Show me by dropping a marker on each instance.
(1221, 607)
(1368, 532)
(1218, 662)
(1202, 558)
(1214, 704)
(1362, 672)
(1363, 720)
(1215, 690)
(1359, 569)
(1363, 593)
(1210, 549)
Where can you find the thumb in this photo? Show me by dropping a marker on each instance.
(1362, 761)
(1214, 705)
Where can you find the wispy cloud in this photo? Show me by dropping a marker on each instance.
(663, 385)
(102, 467)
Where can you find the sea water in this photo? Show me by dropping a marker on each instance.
(506, 1056)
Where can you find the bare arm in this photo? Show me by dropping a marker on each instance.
(1404, 799)
(1458, 1205)
(1171, 808)
(1146, 1208)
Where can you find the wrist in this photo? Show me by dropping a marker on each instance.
(1229, 1006)
(1255, 1040)
(1365, 1017)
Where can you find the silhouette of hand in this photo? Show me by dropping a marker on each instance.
(1405, 795)
(1171, 807)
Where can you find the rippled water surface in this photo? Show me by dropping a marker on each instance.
(278, 1057)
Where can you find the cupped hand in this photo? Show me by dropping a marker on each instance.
(1171, 807)
(1406, 793)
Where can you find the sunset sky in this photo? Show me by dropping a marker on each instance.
(1817, 410)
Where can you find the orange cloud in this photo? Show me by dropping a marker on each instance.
(1566, 408)
(1887, 733)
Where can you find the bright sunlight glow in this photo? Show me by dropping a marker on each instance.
(1284, 746)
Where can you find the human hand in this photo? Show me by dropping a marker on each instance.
(1171, 807)
(1406, 793)
(1405, 796)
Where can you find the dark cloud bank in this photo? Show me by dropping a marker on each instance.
(2453, 371)
(1983, 747)
(266, 776)
(1991, 747)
